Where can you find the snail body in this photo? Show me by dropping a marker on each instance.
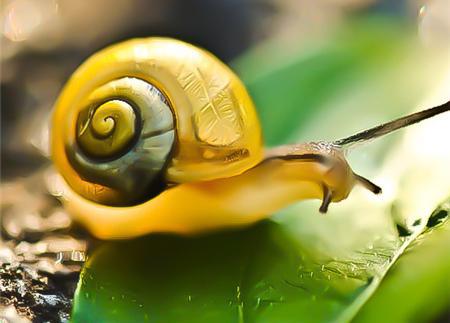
(156, 135)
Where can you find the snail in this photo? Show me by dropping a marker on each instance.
(157, 135)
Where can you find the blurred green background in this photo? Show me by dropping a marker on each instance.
(317, 70)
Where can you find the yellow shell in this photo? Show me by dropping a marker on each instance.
(217, 131)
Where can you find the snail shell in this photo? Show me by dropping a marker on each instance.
(146, 113)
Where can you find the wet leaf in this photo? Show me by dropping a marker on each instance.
(299, 266)
(416, 289)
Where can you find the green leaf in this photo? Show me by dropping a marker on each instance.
(299, 266)
(416, 288)
(366, 68)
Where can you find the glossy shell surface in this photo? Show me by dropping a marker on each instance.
(216, 129)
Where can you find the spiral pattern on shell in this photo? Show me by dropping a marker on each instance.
(151, 111)
(124, 134)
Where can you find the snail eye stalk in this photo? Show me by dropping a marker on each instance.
(392, 126)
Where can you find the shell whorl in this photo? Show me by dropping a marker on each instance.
(124, 135)
(107, 130)
(113, 131)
